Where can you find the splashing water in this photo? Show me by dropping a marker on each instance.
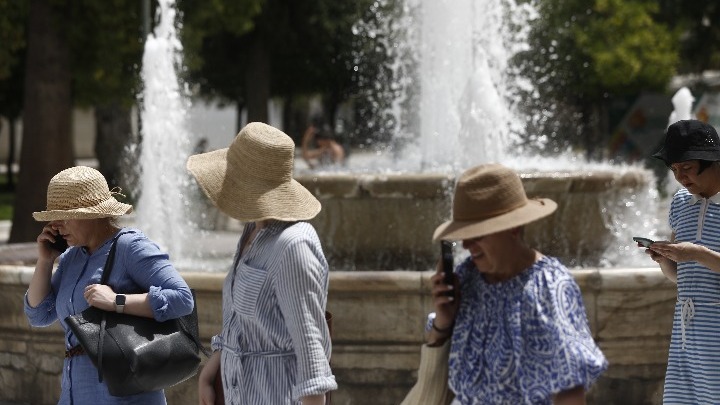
(162, 209)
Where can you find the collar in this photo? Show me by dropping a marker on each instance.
(694, 198)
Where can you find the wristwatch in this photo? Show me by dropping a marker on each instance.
(120, 303)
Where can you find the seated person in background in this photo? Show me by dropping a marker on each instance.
(327, 150)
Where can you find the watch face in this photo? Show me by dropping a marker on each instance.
(120, 299)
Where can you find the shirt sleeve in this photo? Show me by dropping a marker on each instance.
(45, 314)
(560, 329)
(151, 269)
(301, 288)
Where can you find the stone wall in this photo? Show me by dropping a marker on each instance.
(378, 324)
(374, 221)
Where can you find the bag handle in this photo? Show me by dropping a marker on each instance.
(104, 280)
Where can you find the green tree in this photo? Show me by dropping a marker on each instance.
(107, 47)
(83, 53)
(581, 55)
(288, 48)
(12, 66)
(700, 33)
(46, 114)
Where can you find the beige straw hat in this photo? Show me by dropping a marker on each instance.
(490, 198)
(252, 179)
(80, 192)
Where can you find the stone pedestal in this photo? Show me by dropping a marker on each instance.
(378, 329)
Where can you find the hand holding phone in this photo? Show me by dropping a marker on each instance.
(448, 264)
(60, 243)
(644, 242)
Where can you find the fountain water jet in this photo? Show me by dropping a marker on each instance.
(465, 118)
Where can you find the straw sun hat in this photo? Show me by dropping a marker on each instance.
(80, 192)
(252, 179)
(490, 198)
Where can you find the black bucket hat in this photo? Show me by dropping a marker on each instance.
(689, 140)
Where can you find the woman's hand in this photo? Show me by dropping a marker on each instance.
(100, 296)
(678, 252)
(47, 236)
(446, 301)
(206, 380)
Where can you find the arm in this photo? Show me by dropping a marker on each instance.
(574, 396)
(300, 280)
(103, 297)
(445, 309)
(338, 152)
(206, 380)
(314, 400)
(40, 299)
(308, 154)
(141, 265)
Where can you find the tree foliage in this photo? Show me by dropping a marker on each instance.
(582, 54)
(308, 45)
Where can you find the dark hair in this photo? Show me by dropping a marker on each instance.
(704, 164)
(324, 132)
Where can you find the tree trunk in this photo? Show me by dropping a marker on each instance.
(11, 153)
(114, 132)
(46, 118)
(257, 81)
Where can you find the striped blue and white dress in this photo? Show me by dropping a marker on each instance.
(693, 370)
(275, 341)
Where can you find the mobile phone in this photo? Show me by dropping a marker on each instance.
(60, 243)
(448, 264)
(645, 242)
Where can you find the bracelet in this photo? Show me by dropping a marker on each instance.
(445, 330)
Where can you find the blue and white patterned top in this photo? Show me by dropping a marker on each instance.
(140, 266)
(275, 341)
(522, 340)
(693, 370)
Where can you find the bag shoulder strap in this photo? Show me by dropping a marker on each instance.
(104, 280)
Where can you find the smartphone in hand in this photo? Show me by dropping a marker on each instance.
(60, 243)
(644, 242)
(448, 263)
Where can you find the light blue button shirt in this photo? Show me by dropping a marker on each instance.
(140, 266)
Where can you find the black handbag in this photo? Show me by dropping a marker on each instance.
(135, 354)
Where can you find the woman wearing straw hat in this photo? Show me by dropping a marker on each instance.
(516, 330)
(274, 347)
(83, 211)
(691, 259)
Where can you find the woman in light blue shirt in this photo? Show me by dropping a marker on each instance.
(82, 211)
(274, 347)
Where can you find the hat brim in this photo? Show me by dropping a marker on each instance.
(460, 230)
(109, 208)
(250, 201)
(663, 155)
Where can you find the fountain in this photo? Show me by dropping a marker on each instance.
(465, 118)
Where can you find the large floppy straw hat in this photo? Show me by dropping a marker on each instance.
(80, 192)
(252, 179)
(490, 198)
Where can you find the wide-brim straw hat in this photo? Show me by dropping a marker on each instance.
(80, 192)
(488, 199)
(252, 179)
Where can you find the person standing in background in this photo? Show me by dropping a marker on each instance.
(691, 259)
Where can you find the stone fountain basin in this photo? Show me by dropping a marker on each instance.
(386, 221)
(378, 329)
